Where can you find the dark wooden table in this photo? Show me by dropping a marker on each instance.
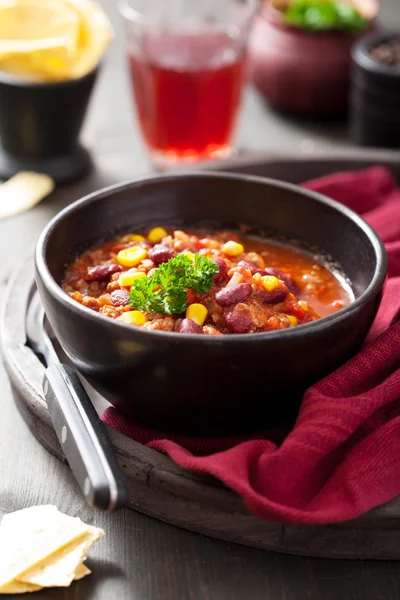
(140, 558)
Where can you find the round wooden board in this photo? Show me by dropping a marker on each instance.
(157, 486)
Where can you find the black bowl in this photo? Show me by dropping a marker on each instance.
(40, 124)
(208, 385)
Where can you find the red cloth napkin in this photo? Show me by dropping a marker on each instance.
(342, 458)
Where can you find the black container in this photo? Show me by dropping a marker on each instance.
(200, 384)
(40, 125)
(374, 96)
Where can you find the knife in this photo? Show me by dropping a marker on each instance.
(77, 425)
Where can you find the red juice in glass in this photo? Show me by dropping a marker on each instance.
(187, 90)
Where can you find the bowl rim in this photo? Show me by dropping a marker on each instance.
(363, 59)
(58, 293)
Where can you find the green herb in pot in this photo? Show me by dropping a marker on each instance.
(319, 15)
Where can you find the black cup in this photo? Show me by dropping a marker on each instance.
(40, 125)
(374, 97)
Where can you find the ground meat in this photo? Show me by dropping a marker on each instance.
(90, 302)
(164, 324)
(182, 242)
(110, 311)
(112, 286)
(277, 322)
(146, 265)
(215, 312)
(209, 243)
(211, 330)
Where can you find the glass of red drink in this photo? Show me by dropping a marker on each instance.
(187, 62)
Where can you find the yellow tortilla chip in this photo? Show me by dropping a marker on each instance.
(60, 569)
(47, 40)
(23, 191)
(30, 536)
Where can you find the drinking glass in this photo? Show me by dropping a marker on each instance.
(187, 63)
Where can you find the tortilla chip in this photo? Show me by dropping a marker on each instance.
(32, 542)
(23, 191)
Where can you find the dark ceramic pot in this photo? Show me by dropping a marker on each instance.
(302, 72)
(209, 385)
(40, 125)
(375, 96)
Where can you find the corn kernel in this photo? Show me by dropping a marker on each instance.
(198, 313)
(132, 237)
(293, 321)
(303, 304)
(189, 255)
(133, 317)
(232, 248)
(128, 278)
(156, 235)
(270, 282)
(131, 257)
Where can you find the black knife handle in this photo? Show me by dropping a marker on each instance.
(83, 439)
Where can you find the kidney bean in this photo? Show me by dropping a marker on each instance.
(277, 295)
(239, 319)
(189, 326)
(250, 266)
(161, 253)
(233, 294)
(222, 274)
(285, 277)
(120, 298)
(102, 272)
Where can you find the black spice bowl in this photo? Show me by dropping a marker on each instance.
(40, 125)
(375, 92)
(209, 385)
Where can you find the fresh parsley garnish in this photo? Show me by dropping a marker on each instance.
(165, 290)
(319, 15)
